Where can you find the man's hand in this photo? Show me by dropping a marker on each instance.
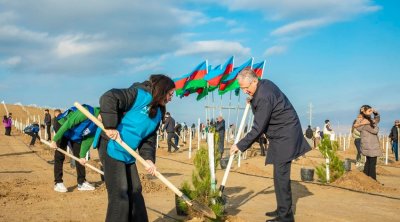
(82, 161)
(53, 145)
(152, 168)
(112, 134)
(234, 149)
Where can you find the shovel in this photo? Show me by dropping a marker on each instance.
(194, 204)
(73, 157)
(228, 167)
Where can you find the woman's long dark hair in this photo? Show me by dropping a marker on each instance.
(160, 86)
(368, 117)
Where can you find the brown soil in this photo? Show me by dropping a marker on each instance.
(359, 181)
(304, 161)
(382, 171)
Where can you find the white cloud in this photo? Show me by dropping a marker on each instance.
(275, 50)
(299, 26)
(17, 33)
(12, 61)
(214, 47)
(77, 45)
(304, 15)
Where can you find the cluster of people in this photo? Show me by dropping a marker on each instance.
(314, 136)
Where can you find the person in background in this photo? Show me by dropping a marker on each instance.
(75, 128)
(47, 123)
(317, 137)
(220, 129)
(394, 137)
(178, 129)
(7, 123)
(368, 128)
(357, 139)
(262, 140)
(33, 131)
(193, 128)
(169, 127)
(309, 136)
(328, 131)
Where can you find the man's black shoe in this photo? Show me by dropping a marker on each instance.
(272, 214)
(176, 150)
(276, 219)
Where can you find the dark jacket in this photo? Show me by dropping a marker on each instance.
(169, 125)
(275, 116)
(309, 133)
(394, 136)
(178, 128)
(47, 119)
(114, 103)
(220, 127)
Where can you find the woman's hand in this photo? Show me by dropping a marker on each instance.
(82, 161)
(152, 169)
(53, 145)
(112, 134)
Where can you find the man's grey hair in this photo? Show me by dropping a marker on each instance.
(247, 74)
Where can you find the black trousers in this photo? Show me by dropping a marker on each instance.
(8, 131)
(357, 143)
(34, 137)
(59, 160)
(125, 199)
(370, 167)
(221, 141)
(48, 127)
(283, 191)
(169, 141)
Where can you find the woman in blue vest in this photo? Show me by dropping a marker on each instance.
(134, 115)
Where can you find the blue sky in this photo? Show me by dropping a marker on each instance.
(337, 55)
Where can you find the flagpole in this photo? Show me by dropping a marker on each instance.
(229, 114)
(213, 108)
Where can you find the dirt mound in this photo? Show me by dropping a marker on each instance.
(382, 171)
(149, 186)
(356, 180)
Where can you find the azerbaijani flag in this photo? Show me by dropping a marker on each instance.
(258, 68)
(196, 78)
(180, 84)
(229, 82)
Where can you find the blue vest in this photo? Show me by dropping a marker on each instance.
(134, 127)
(81, 130)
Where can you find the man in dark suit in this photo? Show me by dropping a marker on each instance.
(275, 116)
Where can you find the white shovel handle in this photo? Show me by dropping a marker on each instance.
(228, 167)
(73, 157)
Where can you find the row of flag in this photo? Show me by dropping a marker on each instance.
(204, 79)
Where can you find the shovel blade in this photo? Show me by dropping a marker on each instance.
(206, 211)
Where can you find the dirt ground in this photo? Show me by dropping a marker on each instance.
(26, 188)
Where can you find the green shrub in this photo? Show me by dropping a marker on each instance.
(328, 149)
(201, 192)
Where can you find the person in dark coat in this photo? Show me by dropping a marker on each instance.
(169, 127)
(220, 128)
(133, 115)
(47, 123)
(275, 116)
(394, 137)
